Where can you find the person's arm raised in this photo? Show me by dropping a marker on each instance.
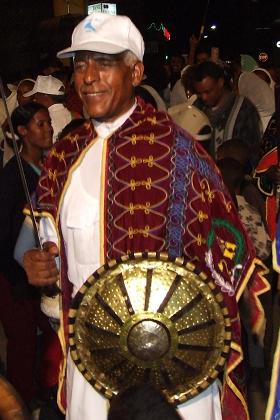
(193, 41)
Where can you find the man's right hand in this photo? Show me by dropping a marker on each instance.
(40, 265)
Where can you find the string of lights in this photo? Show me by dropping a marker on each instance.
(160, 27)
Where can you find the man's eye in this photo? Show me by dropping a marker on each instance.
(105, 63)
(79, 65)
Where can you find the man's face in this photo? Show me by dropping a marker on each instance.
(105, 83)
(177, 64)
(43, 99)
(23, 88)
(209, 90)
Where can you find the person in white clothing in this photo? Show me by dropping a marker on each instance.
(11, 101)
(121, 157)
(257, 90)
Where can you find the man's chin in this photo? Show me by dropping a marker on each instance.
(100, 117)
(95, 113)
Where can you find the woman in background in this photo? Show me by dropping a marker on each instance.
(19, 302)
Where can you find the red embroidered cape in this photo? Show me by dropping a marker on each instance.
(162, 192)
(268, 160)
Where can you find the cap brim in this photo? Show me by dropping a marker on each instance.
(102, 47)
(33, 92)
(27, 94)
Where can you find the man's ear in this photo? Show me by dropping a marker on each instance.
(137, 74)
(22, 131)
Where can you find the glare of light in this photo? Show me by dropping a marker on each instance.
(205, 36)
(213, 27)
(278, 44)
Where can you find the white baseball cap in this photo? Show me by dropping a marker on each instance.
(47, 84)
(104, 33)
(192, 119)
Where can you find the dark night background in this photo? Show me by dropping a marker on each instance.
(25, 39)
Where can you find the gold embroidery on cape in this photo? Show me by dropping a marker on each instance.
(222, 264)
(137, 161)
(202, 216)
(59, 156)
(228, 206)
(52, 174)
(150, 138)
(74, 138)
(135, 231)
(202, 193)
(133, 207)
(134, 184)
(131, 203)
(151, 120)
(200, 240)
(228, 248)
(52, 179)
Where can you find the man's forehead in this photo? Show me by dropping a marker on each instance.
(84, 55)
(208, 80)
(40, 95)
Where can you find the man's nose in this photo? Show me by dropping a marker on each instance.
(92, 73)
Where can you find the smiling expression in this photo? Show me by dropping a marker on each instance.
(105, 83)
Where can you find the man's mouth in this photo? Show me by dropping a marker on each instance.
(93, 94)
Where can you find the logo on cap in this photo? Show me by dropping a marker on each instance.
(89, 27)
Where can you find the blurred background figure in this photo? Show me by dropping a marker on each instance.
(230, 114)
(24, 86)
(11, 101)
(20, 312)
(50, 92)
(234, 177)
(177, 63)
(153, 84)
(248, 84)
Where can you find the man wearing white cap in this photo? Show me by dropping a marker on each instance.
(49, 91)
(130, 180)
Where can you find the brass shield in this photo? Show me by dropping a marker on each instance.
(146, 318)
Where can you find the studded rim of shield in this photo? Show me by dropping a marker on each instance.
(148, 318)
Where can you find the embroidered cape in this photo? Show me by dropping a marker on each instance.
(162, 192)
(273, 404)
(267, 188)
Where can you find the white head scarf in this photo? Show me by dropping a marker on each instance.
(271, 81)
(259, 93)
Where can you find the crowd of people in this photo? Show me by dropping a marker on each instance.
(191, 147)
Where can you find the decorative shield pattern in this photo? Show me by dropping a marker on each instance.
(147, 318)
